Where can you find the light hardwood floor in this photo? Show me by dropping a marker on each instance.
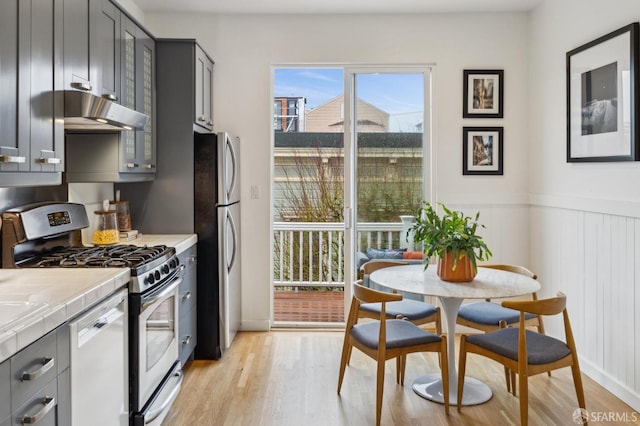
(284, 378)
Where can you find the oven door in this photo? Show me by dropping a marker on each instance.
(158, 342)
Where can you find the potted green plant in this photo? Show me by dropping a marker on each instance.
(453, 239)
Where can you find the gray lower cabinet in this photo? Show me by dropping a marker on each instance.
(5, 393)
(187, 304)
(31, 107)
(34, 383)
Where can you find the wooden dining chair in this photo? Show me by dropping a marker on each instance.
(415, 311)
(525, 351)
(490, 316)
(386, 339)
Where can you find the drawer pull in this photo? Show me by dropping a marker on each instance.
(11, 159)
(132, 165)
(186, 296)
(192, 258)
(49, 160)
(49, 402)
(47, 363)
(186, 340)
(149, 166)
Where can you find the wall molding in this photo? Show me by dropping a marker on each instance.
(593, 205)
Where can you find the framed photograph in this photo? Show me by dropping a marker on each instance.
(483, 94)
(482, 150)
(602, 98)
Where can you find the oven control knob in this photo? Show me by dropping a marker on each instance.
(157, 275)
(151, 279)
(165, 269)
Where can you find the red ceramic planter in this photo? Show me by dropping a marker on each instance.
(464, 271)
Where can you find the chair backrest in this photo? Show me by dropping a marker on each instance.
(369, 295)
(551, 306)
(374, 265)
(513, 268)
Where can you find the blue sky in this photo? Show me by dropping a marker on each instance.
(393, 93)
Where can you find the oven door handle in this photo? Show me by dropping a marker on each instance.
(152, 415)
(163, 294)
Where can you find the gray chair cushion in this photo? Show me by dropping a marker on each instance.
(411, 309)
(541, 349)
(399, 334)
(489, 313)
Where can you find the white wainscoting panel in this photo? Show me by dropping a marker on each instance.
(591, 256)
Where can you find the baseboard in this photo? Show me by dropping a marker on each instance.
(618, 389)
(255, 325)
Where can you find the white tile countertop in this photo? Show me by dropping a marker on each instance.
(36, 301)
(181, 242)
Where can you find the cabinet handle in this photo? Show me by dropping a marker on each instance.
(11, 159)
(192, 259)
(186, 340)
(132, 165)
(149, 166)
(47, 363)
(202, 119)
(49, 402)
(186, 296)
(50, 160)
(210, 123)
(110, 96)
(85, 87)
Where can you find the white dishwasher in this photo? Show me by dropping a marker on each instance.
(100, 364)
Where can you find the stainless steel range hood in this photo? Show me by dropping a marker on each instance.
(87, 112)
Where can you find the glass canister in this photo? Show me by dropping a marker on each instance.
(105, 228)
(122, 212)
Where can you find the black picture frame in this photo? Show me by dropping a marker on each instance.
(482, 150)
(602, 98)
(483, 95)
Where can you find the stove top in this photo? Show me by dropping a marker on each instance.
(48, 235)
(118, 256)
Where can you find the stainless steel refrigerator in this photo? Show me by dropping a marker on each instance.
(217, 223)
(197, 190)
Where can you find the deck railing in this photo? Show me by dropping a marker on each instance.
(311, 254)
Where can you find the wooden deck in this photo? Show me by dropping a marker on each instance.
(308, 306)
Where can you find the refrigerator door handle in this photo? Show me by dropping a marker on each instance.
(234, 239)
(231, 167)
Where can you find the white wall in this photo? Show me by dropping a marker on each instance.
(245, 47)
(585, 218)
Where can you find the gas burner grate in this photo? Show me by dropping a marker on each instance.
(118, 256)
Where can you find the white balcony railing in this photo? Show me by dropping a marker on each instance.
(311, 254)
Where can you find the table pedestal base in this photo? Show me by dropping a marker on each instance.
(430, 387)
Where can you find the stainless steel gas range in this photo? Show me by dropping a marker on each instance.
(48, 235)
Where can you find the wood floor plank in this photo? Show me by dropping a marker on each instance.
(282, 378)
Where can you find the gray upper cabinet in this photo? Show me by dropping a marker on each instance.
(92, 47)
(138, 154)
(203, 90)
(123, 55)
(31, 107)
(104, 48)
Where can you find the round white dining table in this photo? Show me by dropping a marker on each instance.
(488, 284)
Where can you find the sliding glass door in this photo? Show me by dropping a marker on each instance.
(349, 171)
(388, 143)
